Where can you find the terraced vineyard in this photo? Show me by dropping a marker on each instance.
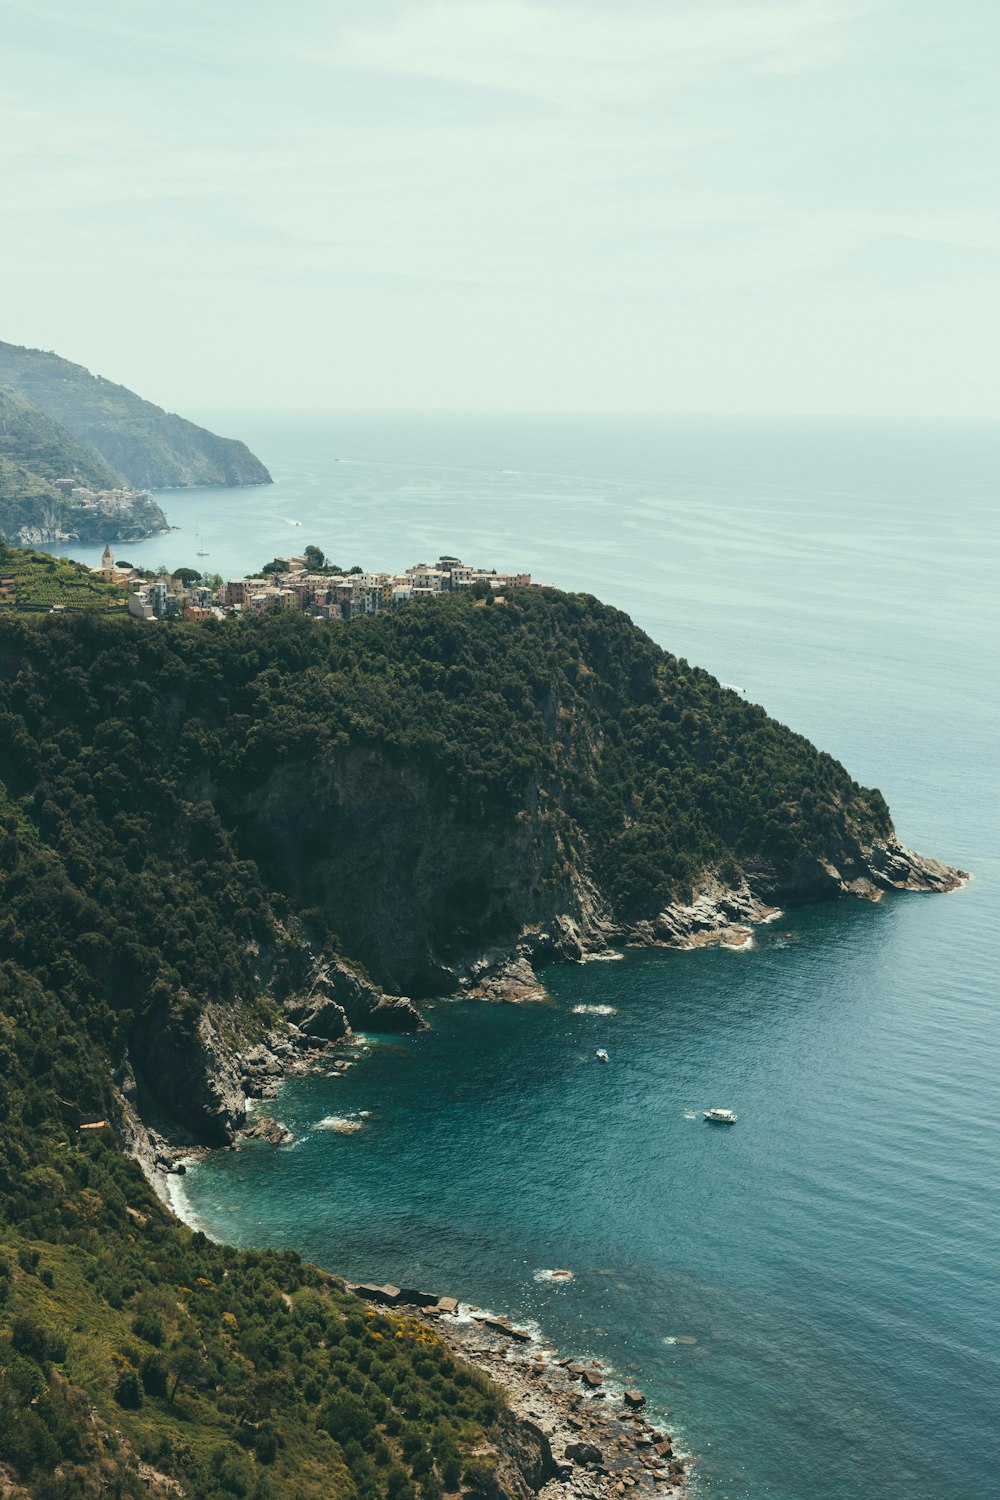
(37, 582)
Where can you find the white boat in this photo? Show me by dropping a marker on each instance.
(720, 1116)
(602, 1055)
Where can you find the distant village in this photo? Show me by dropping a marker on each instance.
(113, 504)
(133, 514)
(307, 584)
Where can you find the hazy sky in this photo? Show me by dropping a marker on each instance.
(688, 205)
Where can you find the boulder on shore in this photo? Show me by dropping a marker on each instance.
(584, 1453)
(418, 1299)
(388, 1295)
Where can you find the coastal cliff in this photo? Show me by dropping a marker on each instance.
(147, 446)
(298, 820)
(225, 846)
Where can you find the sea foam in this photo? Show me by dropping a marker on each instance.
(343, 1124)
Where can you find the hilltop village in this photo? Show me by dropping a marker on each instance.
(308, 584)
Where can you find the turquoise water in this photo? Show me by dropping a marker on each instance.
(836, 1254)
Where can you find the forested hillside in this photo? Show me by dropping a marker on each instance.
(30, 438)
(190, 817)
(465, 760)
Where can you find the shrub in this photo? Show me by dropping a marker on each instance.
(128, 1391)
(153, 1374)
(149, 1326)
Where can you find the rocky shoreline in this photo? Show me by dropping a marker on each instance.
(574, 1434)
(213, 1076)
(723, 911)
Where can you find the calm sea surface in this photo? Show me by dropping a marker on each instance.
(814, 1295)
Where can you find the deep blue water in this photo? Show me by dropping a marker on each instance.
(836, 1254)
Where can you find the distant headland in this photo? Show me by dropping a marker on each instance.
(69, 440)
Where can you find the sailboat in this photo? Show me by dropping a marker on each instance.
(201, 551)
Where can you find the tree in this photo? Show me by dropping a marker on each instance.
(315, 557)
(186, 576)
(186, 1364)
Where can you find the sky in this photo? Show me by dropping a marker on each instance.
(753, 206)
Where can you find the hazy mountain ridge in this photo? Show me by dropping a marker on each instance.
(32, 439)
(149, 447)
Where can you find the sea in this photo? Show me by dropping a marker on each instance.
(811, 1297)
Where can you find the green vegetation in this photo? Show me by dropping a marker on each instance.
(38, 582)
(127, 1340)
(150, 447)
(178, 808)
(282, 741)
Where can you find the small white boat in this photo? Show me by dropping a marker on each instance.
(602, 1055)
(720, 1116)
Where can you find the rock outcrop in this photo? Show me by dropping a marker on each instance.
(716, 914)
(191, 1085)
(338, 998)
(194, 1077)
(525, 1457)
(272, 1132)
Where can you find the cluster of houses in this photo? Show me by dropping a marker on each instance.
(297, 583)
(111, 503)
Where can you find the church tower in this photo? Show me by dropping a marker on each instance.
(108, 560)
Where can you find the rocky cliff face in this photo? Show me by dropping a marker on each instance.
(409, 887)
(452, 795)
(189, 1083)
(430, 905)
